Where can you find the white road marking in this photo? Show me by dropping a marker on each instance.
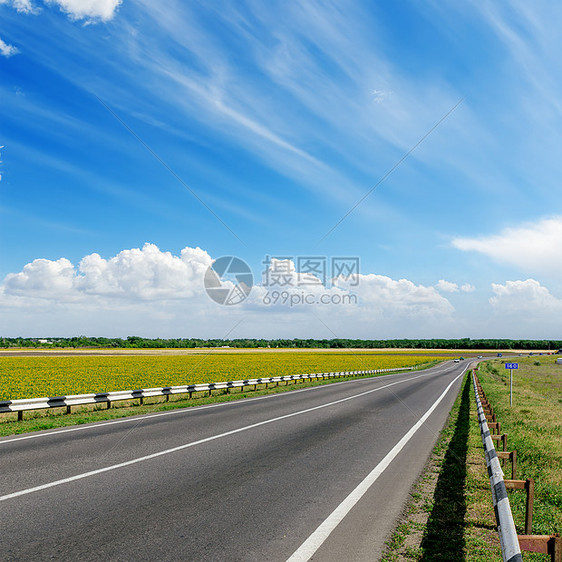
(194, 443)
(319, 536)
(192, 409)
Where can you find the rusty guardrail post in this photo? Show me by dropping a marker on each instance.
(502, 438)
(529, 486)
(512, 456)
(544, 544)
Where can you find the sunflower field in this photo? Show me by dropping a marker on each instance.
(33, 377)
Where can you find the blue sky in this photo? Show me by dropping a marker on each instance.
(134, 130)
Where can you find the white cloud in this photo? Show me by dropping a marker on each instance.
(447, 286)
(88, 9)
(532, 247)
(389, 297)
(42, 277)
(155, 292)
(450, 287)
(22, 6)
(136, 274)
(7, 50)
(528, 297)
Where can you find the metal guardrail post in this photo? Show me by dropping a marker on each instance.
(509, 542)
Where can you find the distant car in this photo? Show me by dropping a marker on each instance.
(500, 355)
(462, 358)
(457, 360)
(480, 357)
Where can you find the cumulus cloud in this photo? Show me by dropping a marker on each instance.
(103, 10)
(532, 247)
(387, 296)
(373, 295)
(528, 297)
(160, 293)
(7, 50)
(142, 274)
(447, 286)
(42, 277)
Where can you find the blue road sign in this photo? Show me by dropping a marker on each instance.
(512, 365)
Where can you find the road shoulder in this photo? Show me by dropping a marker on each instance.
(449, 515)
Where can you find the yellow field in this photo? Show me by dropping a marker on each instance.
(30, 377)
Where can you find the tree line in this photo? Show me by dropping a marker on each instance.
(136, 342)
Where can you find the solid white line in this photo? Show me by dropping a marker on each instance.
(319, 536)
(192, 409)
(194, 443)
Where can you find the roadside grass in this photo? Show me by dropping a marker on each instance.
(534, 429)
(450, 515)
(38, 420)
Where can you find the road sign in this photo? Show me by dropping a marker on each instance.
(511, 366)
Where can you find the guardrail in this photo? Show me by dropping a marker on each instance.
(511, 552)
(511, 542)
(107, 398)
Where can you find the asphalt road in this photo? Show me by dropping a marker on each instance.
(320, 473)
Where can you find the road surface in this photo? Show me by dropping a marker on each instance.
(320, 473)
